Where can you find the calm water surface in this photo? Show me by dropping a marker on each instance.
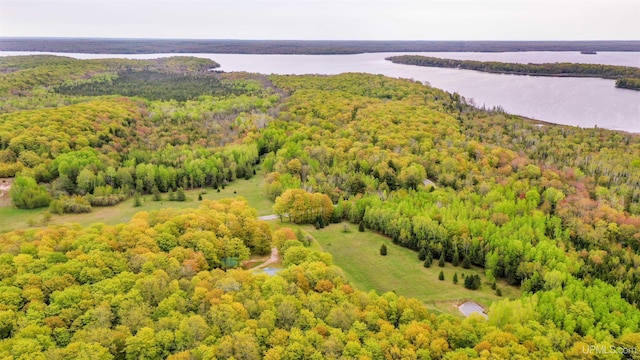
(584, 102)
(471, 307)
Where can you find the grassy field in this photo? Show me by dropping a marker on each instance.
(252, 190)
(358, 254)
(355, 252)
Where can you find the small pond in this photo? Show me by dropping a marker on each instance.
(470, 307)
(271, 271)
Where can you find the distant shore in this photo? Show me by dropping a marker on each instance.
(627, 77)
(309, 47)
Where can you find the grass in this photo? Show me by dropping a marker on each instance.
(358, 254)
(252, 190)
(251, 265)
(12, 218)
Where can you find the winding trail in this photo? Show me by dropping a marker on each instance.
(268, 217)
(271, 260)
(275, 256)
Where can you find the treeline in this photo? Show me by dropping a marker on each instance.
(84, 173)
(157, 288)
(550, 69)
(155, 46)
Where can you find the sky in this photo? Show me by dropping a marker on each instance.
(325, 19)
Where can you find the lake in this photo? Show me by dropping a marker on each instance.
(584, 102)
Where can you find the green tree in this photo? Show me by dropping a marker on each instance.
(137, 201)
(180, 195)
(455, 278)
(466, 262)
(422, 254)
(142, 345)
(441, 260)
(472, 282)
(383, 250)
(427, 262)
(86, 181)
(27, 194)
(156, 193)
(441, 275)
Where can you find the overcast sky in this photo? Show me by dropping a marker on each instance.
(325, 19)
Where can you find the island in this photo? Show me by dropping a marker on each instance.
(627, 77)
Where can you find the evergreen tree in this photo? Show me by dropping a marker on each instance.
(383, 250)
(361, 227)
(171, 195)
(456, 258)
(422, 255)
(428, 260)
(441, 276)
(455, 278)
(180, 195)
(156, 194)
(472, 282)
(199, 197)
(441, 261)
(498, 292)
(466, 263)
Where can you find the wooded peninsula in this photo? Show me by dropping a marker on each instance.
(627, 77)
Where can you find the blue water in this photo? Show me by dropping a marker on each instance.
(271, 271)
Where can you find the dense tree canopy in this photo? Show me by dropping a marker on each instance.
(540, 206)
(553, 210)
(180, 126)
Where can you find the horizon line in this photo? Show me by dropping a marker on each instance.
(293, 40)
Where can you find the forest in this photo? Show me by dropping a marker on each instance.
(627, 76)
(551, 210)
(156, 46)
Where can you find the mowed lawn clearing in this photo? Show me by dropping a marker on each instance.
(251, 190)
(358, 254)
